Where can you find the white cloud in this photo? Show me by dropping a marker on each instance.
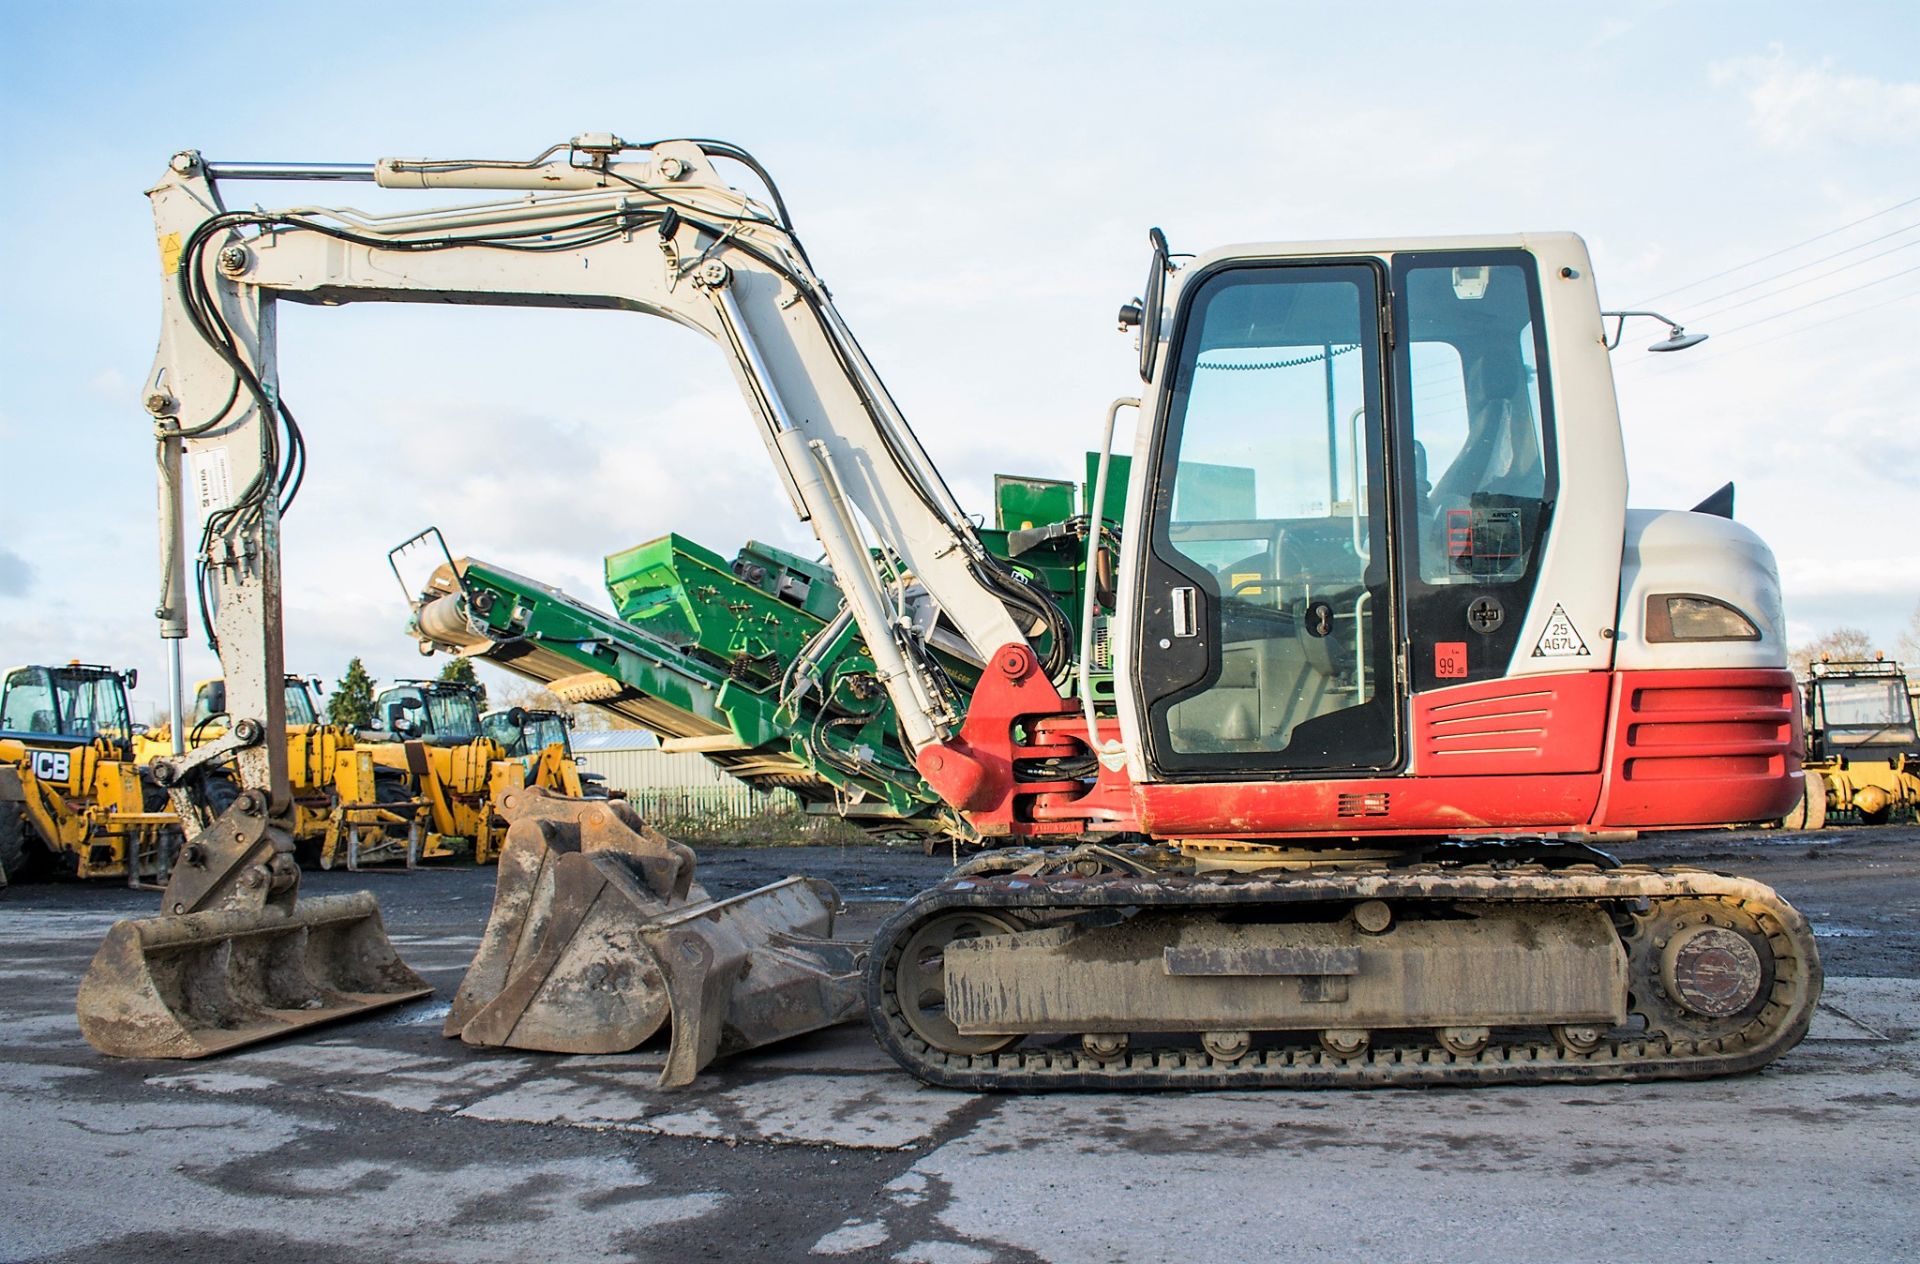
(1793, 105)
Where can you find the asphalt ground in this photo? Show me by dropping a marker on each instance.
(380, 1140)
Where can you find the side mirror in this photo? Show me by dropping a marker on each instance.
(1150, 303)
(411, 702)
(517, 717)
(132, 678)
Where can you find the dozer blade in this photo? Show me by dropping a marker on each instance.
(202, 983)
(238, 957)
(599, 937)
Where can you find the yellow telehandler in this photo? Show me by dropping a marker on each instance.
(541, 741)
(435, 745)
(73, 798)
(343, 805)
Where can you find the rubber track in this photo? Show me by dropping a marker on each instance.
(1647, 1055)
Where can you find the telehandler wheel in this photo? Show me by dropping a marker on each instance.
(16, 858)
(219, 790)
(1816, 801)
(1811, 812)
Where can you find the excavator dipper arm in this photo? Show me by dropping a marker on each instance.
(666, 237)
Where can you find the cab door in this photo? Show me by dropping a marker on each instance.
(1265, 621)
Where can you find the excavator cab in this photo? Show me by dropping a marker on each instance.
(1322, 489)
(1377, 514)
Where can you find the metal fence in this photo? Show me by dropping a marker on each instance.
(709, 808)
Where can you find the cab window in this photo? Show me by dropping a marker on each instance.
(1480, 468)
(28, 705)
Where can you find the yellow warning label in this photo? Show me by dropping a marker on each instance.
(169, 254)
(1249, 578)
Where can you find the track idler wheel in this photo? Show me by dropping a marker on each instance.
(920, 981)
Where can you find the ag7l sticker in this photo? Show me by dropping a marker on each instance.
(1561, 639)
(50, 765)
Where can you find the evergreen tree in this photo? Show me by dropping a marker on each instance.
(460, 671)
(351, 703)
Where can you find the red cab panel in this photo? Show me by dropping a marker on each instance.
(1520, 724)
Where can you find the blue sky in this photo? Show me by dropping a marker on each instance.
(974, 182)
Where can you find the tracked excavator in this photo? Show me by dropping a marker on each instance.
(1391, 654)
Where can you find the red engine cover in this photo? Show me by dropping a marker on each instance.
(1580, 750)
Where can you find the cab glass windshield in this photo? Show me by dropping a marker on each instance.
(57, 703)
(299, 704)
(445, 717)
(1866, 712)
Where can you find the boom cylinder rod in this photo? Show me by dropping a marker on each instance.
(356, 171)
(174, 717)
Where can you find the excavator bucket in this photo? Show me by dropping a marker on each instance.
(237, 959)
(600, 937)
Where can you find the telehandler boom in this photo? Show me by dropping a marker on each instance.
(1379, 591)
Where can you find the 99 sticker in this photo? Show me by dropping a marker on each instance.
(1450, 660)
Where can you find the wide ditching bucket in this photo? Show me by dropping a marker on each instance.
(236, 959)
(600, 937)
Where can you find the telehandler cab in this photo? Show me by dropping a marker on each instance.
(73, 798)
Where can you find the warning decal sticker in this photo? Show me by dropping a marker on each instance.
(210, 475)
(1560, 639)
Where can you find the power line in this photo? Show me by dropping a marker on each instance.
(1794, 332)
(1820, 276)
(1801, 267)
(1859, 311)
(1775, 254)
(1852, 289)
